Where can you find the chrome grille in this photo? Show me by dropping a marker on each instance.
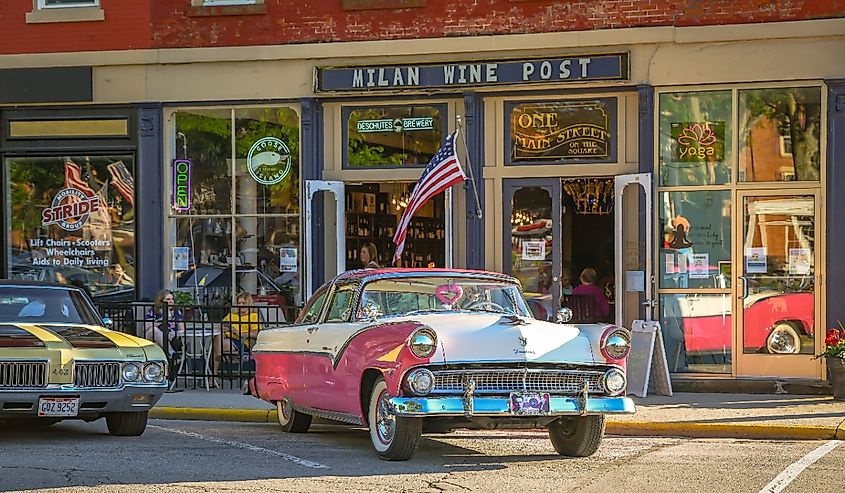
(23, 374)
(515, 380)
(96, 374)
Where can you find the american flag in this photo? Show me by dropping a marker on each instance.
(443, 171)
(123, 181)
(73, 178)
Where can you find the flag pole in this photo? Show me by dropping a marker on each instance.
(478, 212)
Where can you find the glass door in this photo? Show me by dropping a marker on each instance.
(532, 228)
(778, 283)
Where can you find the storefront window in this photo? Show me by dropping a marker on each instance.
(205, 137)
(72, 220)
(562, 132)
(531, 240)
(267, 172)
(697, 332)
(780, 134)
(695, 138)
(393, 136)
(238, 235)
(695, 251)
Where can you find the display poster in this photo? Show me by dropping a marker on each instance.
(534, 250)
(670, 263)
(755, 260)
(287, 260)
(635, 281)
(699, 265)
(800, 261)
(180, 258)
(682, 263)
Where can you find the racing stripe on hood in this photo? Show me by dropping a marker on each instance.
(80, 337)
(12, 336)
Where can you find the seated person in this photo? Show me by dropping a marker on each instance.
(588, 288)
(241, 328)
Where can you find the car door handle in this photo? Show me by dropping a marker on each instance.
(311, 330)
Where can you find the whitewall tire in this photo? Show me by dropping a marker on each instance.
(291, 420)
(394, 437)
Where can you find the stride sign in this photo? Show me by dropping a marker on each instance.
(182, 184)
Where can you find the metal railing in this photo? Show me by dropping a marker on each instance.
(208, 346)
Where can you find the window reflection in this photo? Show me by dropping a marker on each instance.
(780, 134)
(779, 265)
(92, 243)
(205, 137)
(695, 248)
(697, 332)
(695, 138)
(531, 242)
(390, 136)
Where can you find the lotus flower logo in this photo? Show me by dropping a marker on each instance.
(697, 134)
(698, 141)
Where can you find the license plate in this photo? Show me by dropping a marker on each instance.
(529, 403)
(58, 406)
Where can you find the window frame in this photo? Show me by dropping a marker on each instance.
(224, 3)
(43, 4)
(346, 112)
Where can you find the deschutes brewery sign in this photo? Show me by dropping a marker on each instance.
(562, 131)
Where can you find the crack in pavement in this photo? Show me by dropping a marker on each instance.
(436, 483)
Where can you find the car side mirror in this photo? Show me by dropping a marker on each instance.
(109, 323)
(563, 315)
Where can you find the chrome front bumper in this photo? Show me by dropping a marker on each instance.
(500, 406)
(92, 402)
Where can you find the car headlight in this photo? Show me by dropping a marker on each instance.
(154, 372)
(617, 344)
(420, 381)
(423, 342)
(614, 381)
(131, 372)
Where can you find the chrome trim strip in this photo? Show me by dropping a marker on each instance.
(500, 406)
(332, 415)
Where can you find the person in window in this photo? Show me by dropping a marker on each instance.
(241, 328)
(588, 288)
(154, 327)
(368, 256)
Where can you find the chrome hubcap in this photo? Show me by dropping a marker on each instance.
(783, 342)
(385, 420)
(284, 410)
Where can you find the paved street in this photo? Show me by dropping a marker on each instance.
(223, 456)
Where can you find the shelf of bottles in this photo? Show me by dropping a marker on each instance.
(372, 216)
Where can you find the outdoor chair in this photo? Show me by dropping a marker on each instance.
(583, 308)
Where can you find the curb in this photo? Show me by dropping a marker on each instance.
(621, 428)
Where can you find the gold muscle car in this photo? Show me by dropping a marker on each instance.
(59, 361)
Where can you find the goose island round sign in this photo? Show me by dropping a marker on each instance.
(269, 161)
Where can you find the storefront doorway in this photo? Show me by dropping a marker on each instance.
(555, 229)
(777, 282)
(372, 213)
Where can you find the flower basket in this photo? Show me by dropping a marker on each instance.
(836, 376)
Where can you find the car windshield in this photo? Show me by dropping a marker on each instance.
(406, 296)
(39, 305)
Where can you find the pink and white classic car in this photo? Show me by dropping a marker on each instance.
(407, 352)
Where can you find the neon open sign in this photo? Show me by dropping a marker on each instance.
(182, 184)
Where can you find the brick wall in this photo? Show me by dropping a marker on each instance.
(297, 21)
(133, 24)
(126, 26)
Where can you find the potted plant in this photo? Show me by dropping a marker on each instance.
(834, 355)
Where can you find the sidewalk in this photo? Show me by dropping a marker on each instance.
(702, 415)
